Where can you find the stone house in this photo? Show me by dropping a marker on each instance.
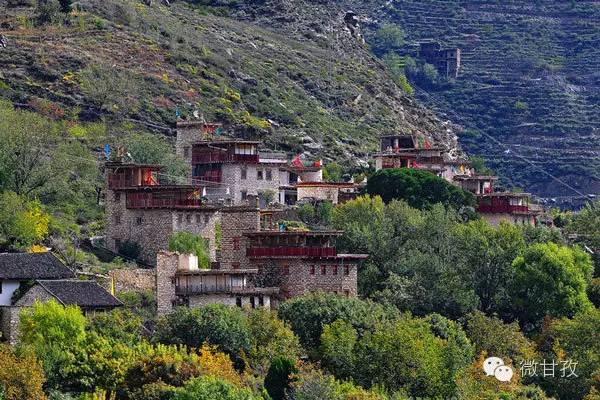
(447, 61)
(410, 151)
(258, 266)
(235, 169)
(228, 168)
(299, 262)
(29, 277)
(179, 282)
(141, 210)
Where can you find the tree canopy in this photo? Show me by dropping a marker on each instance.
(420, 189)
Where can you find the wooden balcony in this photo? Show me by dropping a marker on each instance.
(223, 157)
(146, 200)
(119, 181)
(291, 252)
(186, 290)
(502, 209)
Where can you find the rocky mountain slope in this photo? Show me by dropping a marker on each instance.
(530, 80)
(137, 67)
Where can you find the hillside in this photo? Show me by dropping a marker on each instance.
(135, 67)
(529, 79)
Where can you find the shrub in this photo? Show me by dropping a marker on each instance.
(188, 243)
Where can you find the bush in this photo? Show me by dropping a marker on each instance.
(210, 388)
(188, 243)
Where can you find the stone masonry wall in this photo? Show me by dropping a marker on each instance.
(136, 279)
(320, 193)
(166, 266)
(236, 221)
(300, 280)
(232, 176)
(495, 219)
(198, 222)
(187, 135)
(9, 324)
(152, 228)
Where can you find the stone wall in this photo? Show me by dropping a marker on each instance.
(198, 222)
(166, 266)
(329, 193)
(151, 229)
(300, 280)
(228, 300)
(496, 218)
(136, 279)
(36, 293)
(235, 221)
(9, 324)
(232, 176)
(187, 134)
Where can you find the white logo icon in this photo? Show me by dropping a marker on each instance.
(503, 373)
(494, 366)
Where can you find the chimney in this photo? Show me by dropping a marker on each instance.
(188, 262)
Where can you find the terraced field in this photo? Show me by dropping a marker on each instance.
(530, 79)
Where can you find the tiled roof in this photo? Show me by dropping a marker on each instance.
(85, 294)
(24, 266)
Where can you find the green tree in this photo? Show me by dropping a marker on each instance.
(216, 324)
(488, 254)
(210, 388)
(119, 325)
(406, 355)
(312, 384)
(573, 340)
(279, 377)
(26, 141)
(494, 337)
(57, 335)
(478, 164)
(147, 148)
(388, 37)
(332, 172)
(271, 338)
(420, 189)
(188, 243)
(550, 280)
(22, 223)
(367, 229)
(584, 226)
(428, 273)
(308, 315)
(337, 349)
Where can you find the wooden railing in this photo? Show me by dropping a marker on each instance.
(206, 289)
(501, 208)
(291, 252)
(220, 157)
(145, 200)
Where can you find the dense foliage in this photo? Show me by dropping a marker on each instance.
(420, 189)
